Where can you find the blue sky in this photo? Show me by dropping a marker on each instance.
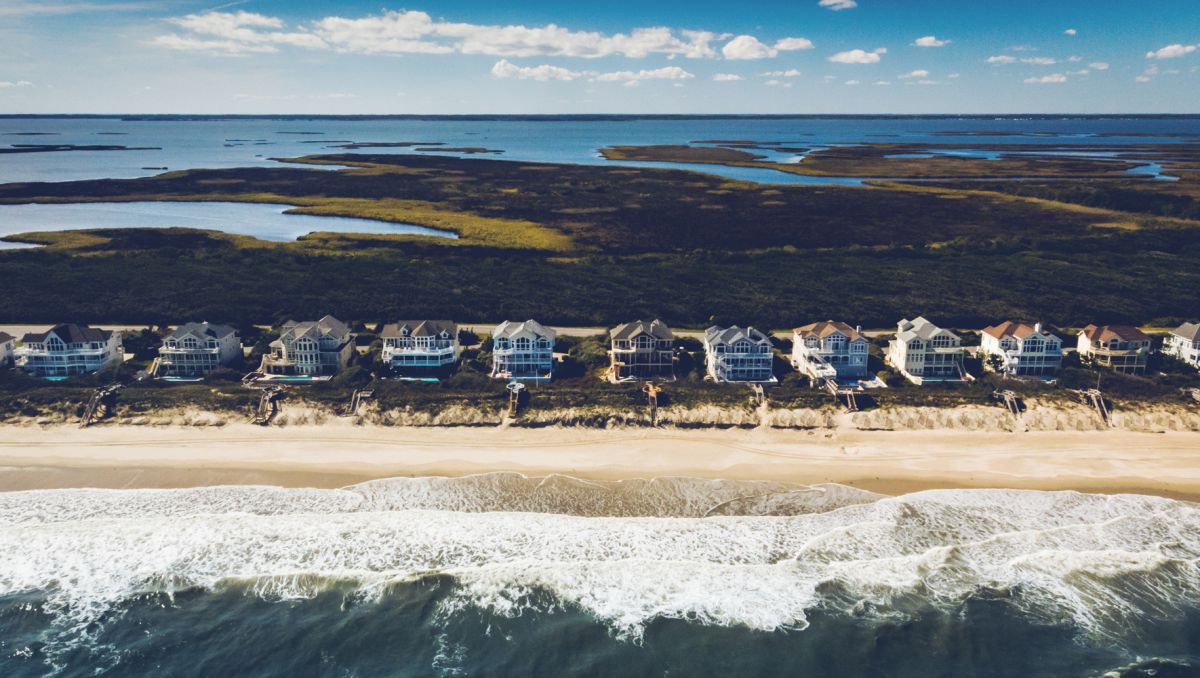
(460, 56)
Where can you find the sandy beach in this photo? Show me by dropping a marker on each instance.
(337, 454)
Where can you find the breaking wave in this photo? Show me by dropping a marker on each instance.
(763, 556)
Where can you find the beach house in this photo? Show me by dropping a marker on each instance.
(420, 348)
(312, 348)
(642, 350)
(737, 354)
(522, 350)
(8, 347)
(1020, 349)
(925, 352)
(1184, 343)
(830, 350)
(69, 349)
(196, 349)
(1120, 348)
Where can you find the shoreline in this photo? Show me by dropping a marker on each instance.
(339, 454)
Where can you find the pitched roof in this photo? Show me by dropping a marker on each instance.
(1188, 331)
(511, 328)
(69, 333)
(827, 328)
(420, 328)
(920, 328)
(327, 325)
(6, 337)
(728, 335)
(655, 328)
(204, 329)
(1097, 333)
(1012, 329)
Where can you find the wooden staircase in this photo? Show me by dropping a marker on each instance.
(652, 390)
(356, 399)
(268, 405)
(845, 396)
(99, 404)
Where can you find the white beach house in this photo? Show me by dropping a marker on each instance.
(1120, 348)
(420, 348)
(69, 349)
(313, 348)
(1184, 343)
(642, 350)
(196, 349)
(830, 350)
(738, 354)
(1021, 349)
(8, 348)
(522, 350)
(925, 352)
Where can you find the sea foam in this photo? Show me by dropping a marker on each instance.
(760, 555)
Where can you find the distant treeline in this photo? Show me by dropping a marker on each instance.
(167, 277)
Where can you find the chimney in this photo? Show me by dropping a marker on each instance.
(1037, 327)
(858, 329)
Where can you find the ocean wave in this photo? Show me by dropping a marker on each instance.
(1095, 563)
(664, 497)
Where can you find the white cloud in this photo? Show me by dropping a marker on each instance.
(1071, 31)
(1171, 51)
(506, 70)
(749, 47)
(1040, 61)
(853, 82)
(413, 32)
(793, 44)
(858, 56)
(1098, 66)
(1001, 59)
(838, 5)
(1052, 79)
(919, 73)
(789, 73)
(57, 7)
(1074, 59)
(665, 73)
(726, 77)
(746, 47)
(778, 83)
(1143, 78)
(930, 41)
(882, 82)
(8, 84)
(1148, 74)
(953, 76)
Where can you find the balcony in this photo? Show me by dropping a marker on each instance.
(164, 351)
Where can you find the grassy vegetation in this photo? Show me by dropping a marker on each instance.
(886, 160)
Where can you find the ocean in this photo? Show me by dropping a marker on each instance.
(503, 575)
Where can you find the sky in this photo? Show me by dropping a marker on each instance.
(616, 56)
